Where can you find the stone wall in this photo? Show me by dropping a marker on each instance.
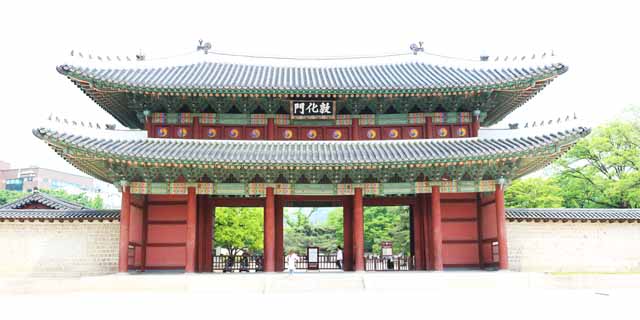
(59, 248)
(574, 246)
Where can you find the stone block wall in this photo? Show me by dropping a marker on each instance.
(574, 246)
(69, 248)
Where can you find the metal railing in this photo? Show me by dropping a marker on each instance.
(325, 262)
(389, 264)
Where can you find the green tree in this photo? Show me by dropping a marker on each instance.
(602, 170)
(384, 224)
(533, 193)
(7, 196)
(301, 233)
(239, 228)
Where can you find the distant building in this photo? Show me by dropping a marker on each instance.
(33, 178)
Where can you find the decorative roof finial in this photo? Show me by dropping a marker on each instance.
(415, 48)
(204, 46)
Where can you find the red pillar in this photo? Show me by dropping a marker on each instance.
(192, 216)
(271, 130)
(279, 216)
(358, 230)
(501, 228)
(355, 129)
(269, 231)
(208, 238)
(195, 127)
(436, 227)
(145, 229)
(418, 234)
(429, 128)
(423, 199)
(125, 213)
(347, 231)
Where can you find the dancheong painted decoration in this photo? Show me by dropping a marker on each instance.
(223, 134)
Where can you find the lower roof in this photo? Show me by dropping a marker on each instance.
(97, 156)
(572, 214)
(48, 214)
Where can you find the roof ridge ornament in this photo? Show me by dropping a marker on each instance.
(415, 48)
(204, 46)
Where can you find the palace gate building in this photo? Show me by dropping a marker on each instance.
(233, 135)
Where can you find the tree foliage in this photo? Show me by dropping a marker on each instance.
(534, 193)
(239, 228)
(7, 196)
(600, 171)
(380, 224)
(300, 233)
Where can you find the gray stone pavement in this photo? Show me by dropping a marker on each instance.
(419, 295)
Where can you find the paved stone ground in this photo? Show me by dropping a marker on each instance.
(419, 295)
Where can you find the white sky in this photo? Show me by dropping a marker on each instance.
(598, 41)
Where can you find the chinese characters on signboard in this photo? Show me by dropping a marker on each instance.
(313, 109)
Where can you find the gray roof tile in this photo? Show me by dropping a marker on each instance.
(44, 199)
(46, 214)
(556, 214)
(310, 152)
(214, 75)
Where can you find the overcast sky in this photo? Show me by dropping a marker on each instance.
(598, 41)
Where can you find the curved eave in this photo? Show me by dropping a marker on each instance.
(93, 156)
(413, 79)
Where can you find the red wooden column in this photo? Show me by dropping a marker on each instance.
(269, 231)
(208, 237)
(501, 228)
(195, 127)
(145, 229)
(418, 234)
(428, 127)
(125, 214)
(279, 216)
(355, 129)
(271, 129)
(192, 217)
(358, 230)
(436, 228)
(347, 231)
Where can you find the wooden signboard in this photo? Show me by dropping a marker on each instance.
(316, 109)
(313, 256)
(387, 248)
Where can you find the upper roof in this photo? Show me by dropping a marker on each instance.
(92, 154)
(564, 214)
(208, 76)
(46, 214)
(109, 87)
(43, 199)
